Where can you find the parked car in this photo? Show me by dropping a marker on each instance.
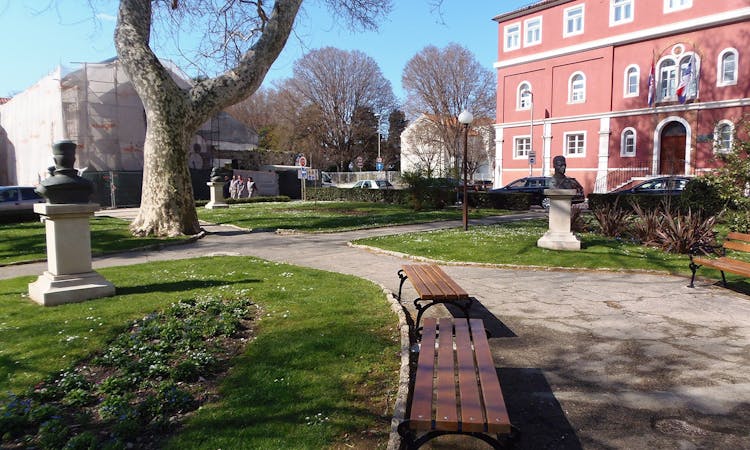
(669, 185)
(18, 201)
(536, 186)
(372, 184)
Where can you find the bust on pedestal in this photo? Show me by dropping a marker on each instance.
(69, 277)
(219, 177)
(559, 236)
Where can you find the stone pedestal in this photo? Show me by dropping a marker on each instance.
(69, 277)
(559, 236)
(217, 195)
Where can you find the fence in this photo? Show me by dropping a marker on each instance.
(118, 189)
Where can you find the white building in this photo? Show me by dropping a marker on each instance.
(97, 107)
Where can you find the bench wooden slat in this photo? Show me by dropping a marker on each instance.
(446, 408)
(449, 288)
(472, 414)
(421, 404)
(737, 245)
(498, 420)
(431, 283)
(737, 236)
(725, 264)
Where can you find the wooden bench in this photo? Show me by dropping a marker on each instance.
(455, 386)
(433, 287)
(735, 241)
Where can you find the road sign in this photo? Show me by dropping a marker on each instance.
(302, 174)
(379, 164)
(302, 161)
(360, 162)
(532, 160)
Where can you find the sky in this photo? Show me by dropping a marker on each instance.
(38, 35)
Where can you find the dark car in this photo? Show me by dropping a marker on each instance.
(671, 185)
(536, 187)
(18, 201)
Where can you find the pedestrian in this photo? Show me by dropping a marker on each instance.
(240, 187)
(233, 187)
(251, 187)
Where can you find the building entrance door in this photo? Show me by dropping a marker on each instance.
(672, 151)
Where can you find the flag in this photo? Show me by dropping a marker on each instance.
(651, 84)
(688, 77)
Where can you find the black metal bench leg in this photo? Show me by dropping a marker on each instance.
(694, 267)
(723, 278)
(402, 276)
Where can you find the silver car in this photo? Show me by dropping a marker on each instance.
(18, 201)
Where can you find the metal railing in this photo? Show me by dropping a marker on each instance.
(637, 169)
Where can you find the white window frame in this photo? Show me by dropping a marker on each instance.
(520, 151)
(720, 80)
(578, 14)
(624, 143)
(566, 147)
(626, 86)
(621, 6)
(717, 136)
(577, 95)
(516, 36)
(537, 30)
(677, 5)
(523, 86)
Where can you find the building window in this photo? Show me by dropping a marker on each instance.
(724, 136)
(620, 11)
(632, 81)
(521, 147)
(678, 78)
(577, 88)
(575, 144)
(524, 96)
(727, 67)
(573, 18)
(676, 5)
(627, 143)
(533, 35)
(512, 39)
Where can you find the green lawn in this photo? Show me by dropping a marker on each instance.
(25, 241)
(515, 244)
(328, 216)
(320, 339)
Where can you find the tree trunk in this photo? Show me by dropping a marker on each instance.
(174, 114)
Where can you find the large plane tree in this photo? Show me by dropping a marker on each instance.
(249, 35)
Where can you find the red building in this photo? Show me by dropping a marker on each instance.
(621, 88)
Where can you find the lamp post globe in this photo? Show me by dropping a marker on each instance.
(465, 118)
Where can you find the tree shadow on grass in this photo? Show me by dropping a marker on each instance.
(177, 286)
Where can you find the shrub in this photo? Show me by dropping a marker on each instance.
(613, 220)
(701, 194)
(682, 231)
(646, 224)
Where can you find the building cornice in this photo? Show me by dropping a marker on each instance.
(530, 9)
(737, 15)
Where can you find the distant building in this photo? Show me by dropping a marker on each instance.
(97, 107)
(423, 150)
(621, 88)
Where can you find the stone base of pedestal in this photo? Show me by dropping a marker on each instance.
(212, 205)
(217, 195)
(53, 290)
(559, 241)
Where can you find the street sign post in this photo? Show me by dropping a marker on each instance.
(379, 164)
(360, 162)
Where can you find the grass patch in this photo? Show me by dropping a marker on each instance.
(329, 216)
(514, 243)
(325, 351)
(26, 241)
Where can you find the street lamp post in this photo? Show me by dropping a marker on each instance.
(465, 118)
(532, 155)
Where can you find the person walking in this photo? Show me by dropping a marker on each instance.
(251, 187)
(240, 187)
(233, 187)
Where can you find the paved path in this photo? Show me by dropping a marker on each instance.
(587, 359)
